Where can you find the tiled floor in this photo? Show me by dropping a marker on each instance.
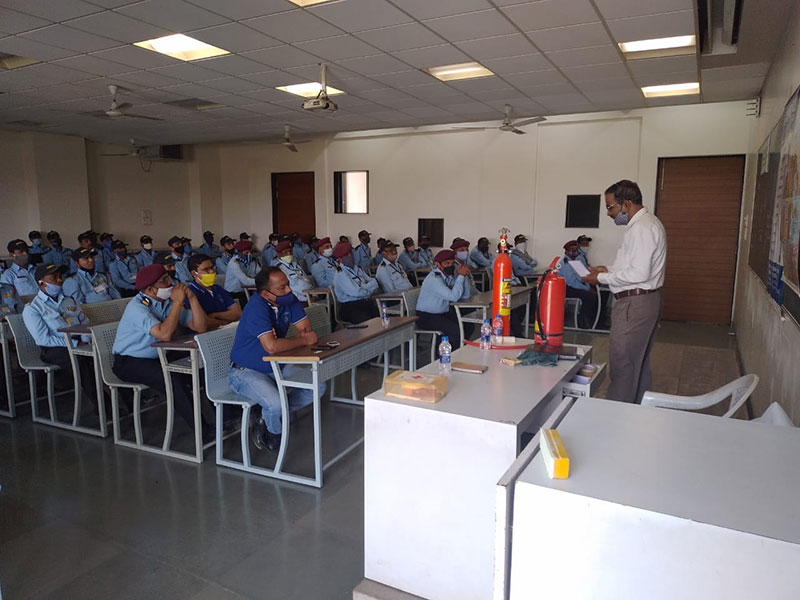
(81, 518)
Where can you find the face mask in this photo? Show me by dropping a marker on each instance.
(164, 293)
(366, 240)
(621, 219)
(462, 256)
(57, 242)
(22, 260)
(424, 246)
(284, 300)
(522, 247)
(188, 248)
(245, 259)
(36, 241)
(123, 254)
(107, 243)
(208, 279)
(289, 259)
(348, 261)
(147, 246)
(274, 242)
(410, 249)
(449, 270)
(327, 253)
(51, 289)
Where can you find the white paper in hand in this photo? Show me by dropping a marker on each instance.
(579, 268)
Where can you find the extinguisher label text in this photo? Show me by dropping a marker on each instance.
(505, 298)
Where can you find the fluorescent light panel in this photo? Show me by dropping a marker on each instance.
(673, 89)
(11, 61)
(469, 70)
(659, 47)
(181, 47)
(308, 90)
(307, 2)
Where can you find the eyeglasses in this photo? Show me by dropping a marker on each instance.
(608, 208)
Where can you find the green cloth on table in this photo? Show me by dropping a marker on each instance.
(529, 356)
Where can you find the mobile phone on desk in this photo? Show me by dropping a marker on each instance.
(568, 353)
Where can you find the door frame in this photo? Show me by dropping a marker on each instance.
(274, 185)
(659, 179)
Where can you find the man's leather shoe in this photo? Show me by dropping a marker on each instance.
(273, 441)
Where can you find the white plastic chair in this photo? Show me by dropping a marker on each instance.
(738, 391)
(775, 415)
(576, 304)
(410, 298)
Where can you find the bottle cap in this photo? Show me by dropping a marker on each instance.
(445, 338)
(486, 321)
(383, 304)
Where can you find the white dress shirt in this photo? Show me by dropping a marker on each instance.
(641, 259)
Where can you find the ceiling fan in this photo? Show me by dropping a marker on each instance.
(118, 111)
(288, 142)
(136, 151)
(508, 124)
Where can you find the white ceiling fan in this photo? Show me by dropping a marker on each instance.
(118, 111)
(508, 124)
(288, 142)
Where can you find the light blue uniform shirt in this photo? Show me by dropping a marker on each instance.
(571, 277)
(211, 251)
(438, 291)
(362, 254)
(520, 266)
(470, 289)
(88, 287)
(44, 316)
(239, 275)
(221, 263)
(353, 284)
(583, 257)
(479, 260)
(182, 268)
(100, 265)
(311, 258)
(145, 257)
(299, 252)
(269, 255)
(411, 260)
(392, 277)
(108, 254)
(21, 278)
(37, 248)
(298, 280)
(141, 314)
(324, 270)
(11, 304)
(123, 273)
(426, 255)
(58, 257)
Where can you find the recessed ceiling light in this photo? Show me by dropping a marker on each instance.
(468, 70)
(308, 90)
(307, 2)
(181, 47)
(11, 61)
(659, 47)
(673, 89)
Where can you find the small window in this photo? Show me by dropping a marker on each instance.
(583, 210)
(434, 229)
(351, 192)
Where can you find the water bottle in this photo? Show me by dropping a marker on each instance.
(444, 356)
(486, 335)
(384, 315)
(497, 329)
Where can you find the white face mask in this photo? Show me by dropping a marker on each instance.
(147, 246)
(327, 253)
(288, 259)
(164, 293)
(522, 247)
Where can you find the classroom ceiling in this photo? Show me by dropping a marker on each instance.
(549, 57)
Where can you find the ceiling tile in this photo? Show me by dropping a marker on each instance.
(338, 48)
(438, 92)
(585, 56)
(354, 85)
(484, 23)
(273, 78)
(427, 9)
(136, 57)
(749, 71)
(500, 46)
(482, 83)
(593, 72)
(92, 64)
(359, 15)
(551, 13)
(191, 90)
(534, 78)
(282, 56)
(503, 94)
(518, 64)
(12, 21)
(52, 10)
(666, 78)
(653, 66)
(113, 3)
(150, 79)
(186, 72)
(404, 79)
(230, 99)
(429, 111)
(653, 26)
(175, 15)
(618, 9)
(573, 36)
(336, 73)
(71, 39)
(607, 85)
(293, 26)
(523, 108)
(559, 101)
(25, 47)
(231, 64)
(401, 37)
(469, 108)
(548, 89)
(374, 65)
(244, 9)
(268, 95)
(622, 97)
(235, 37)
(739, 89)
(119, 27)
(432, 56)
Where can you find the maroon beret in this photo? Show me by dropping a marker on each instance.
(285, 245)
(342, 249)
(571, 243)
(149, 275)
(325, 240)
(459, 243)
(242, 245)
(444, 255)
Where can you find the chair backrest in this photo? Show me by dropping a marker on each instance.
(104, 312)
(775, 415)
(335, 306)
(410, 298)
(26, 298)
(320, 321)
(215, 348)
(739, 390)
(27, 350)
(103, 337)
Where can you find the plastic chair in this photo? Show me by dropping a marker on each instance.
(320, 322)
(105, 312)
(410, 298)
(337, 317)
(738, 391)
(576, 304)
(775, 415)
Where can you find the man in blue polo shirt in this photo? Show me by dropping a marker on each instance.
(261, 332)
(219, 305)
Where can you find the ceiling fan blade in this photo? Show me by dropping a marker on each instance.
(530, 121)
(142, 117)
(291, 147)
(124, 106)
(301, 142)
(472, 128)
(518, 131)
(128, 154)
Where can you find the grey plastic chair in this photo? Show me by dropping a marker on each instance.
(738, 391)
(410, 298)
(105, 312)
(575, 304)
(336, 314)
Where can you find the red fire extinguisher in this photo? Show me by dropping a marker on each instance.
(501, 286)
(551, 293)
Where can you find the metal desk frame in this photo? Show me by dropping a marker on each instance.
(5, 337)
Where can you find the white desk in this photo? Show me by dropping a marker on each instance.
(660, 504)
(431, 470)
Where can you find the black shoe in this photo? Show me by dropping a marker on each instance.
(258, 434)
(273, 441)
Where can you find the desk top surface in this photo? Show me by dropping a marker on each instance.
(83, 328)
(347, 338)
(181, 342)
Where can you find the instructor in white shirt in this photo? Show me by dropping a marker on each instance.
(635, 279)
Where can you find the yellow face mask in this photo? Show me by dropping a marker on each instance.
(208, 279)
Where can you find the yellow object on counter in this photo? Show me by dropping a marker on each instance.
(554, 454)
(510, 361)
(415, 386)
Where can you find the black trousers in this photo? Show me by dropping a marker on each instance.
(240, 296)
(588, 306)
(447, 323)
(358, 311)
(148, 371)
(58, 355)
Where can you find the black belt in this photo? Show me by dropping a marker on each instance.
(635, 292)
(235, 366)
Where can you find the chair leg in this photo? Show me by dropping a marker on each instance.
(115, 412)
(219, 430)
(32, 386)
(245, 435)
(51, 396)
(353, 392)
(137, 415)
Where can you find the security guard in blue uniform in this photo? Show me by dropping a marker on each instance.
(362, 254)
(312, 255)
(444, 285)
(208, 247)
(49, 311)
(410, 258)
(479, 257)
(36, 249)
(268, 255)
(56, 254)
(225, 256)
(425, 252)
(461, 248)
(10, 304)
(325, 267)
(390, 274)
(123, 270)
(219, 305)
(583, 249)
(177, 246)
(242, 270)
(145, 255)
(20, 274)
(299, 282)
(87, 285)
(521, 262)
(353, 287)
(376, 260)
(299, 250)
(157, 314)
(107, 240)
(86, 240)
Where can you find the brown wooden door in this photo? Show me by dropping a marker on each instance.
(293, 203)
(699, 200)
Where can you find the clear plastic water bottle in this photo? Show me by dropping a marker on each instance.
(384, 315)
(497, 329)
(445, 350)
(486, 335)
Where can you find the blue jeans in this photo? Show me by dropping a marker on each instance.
(262, 389)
